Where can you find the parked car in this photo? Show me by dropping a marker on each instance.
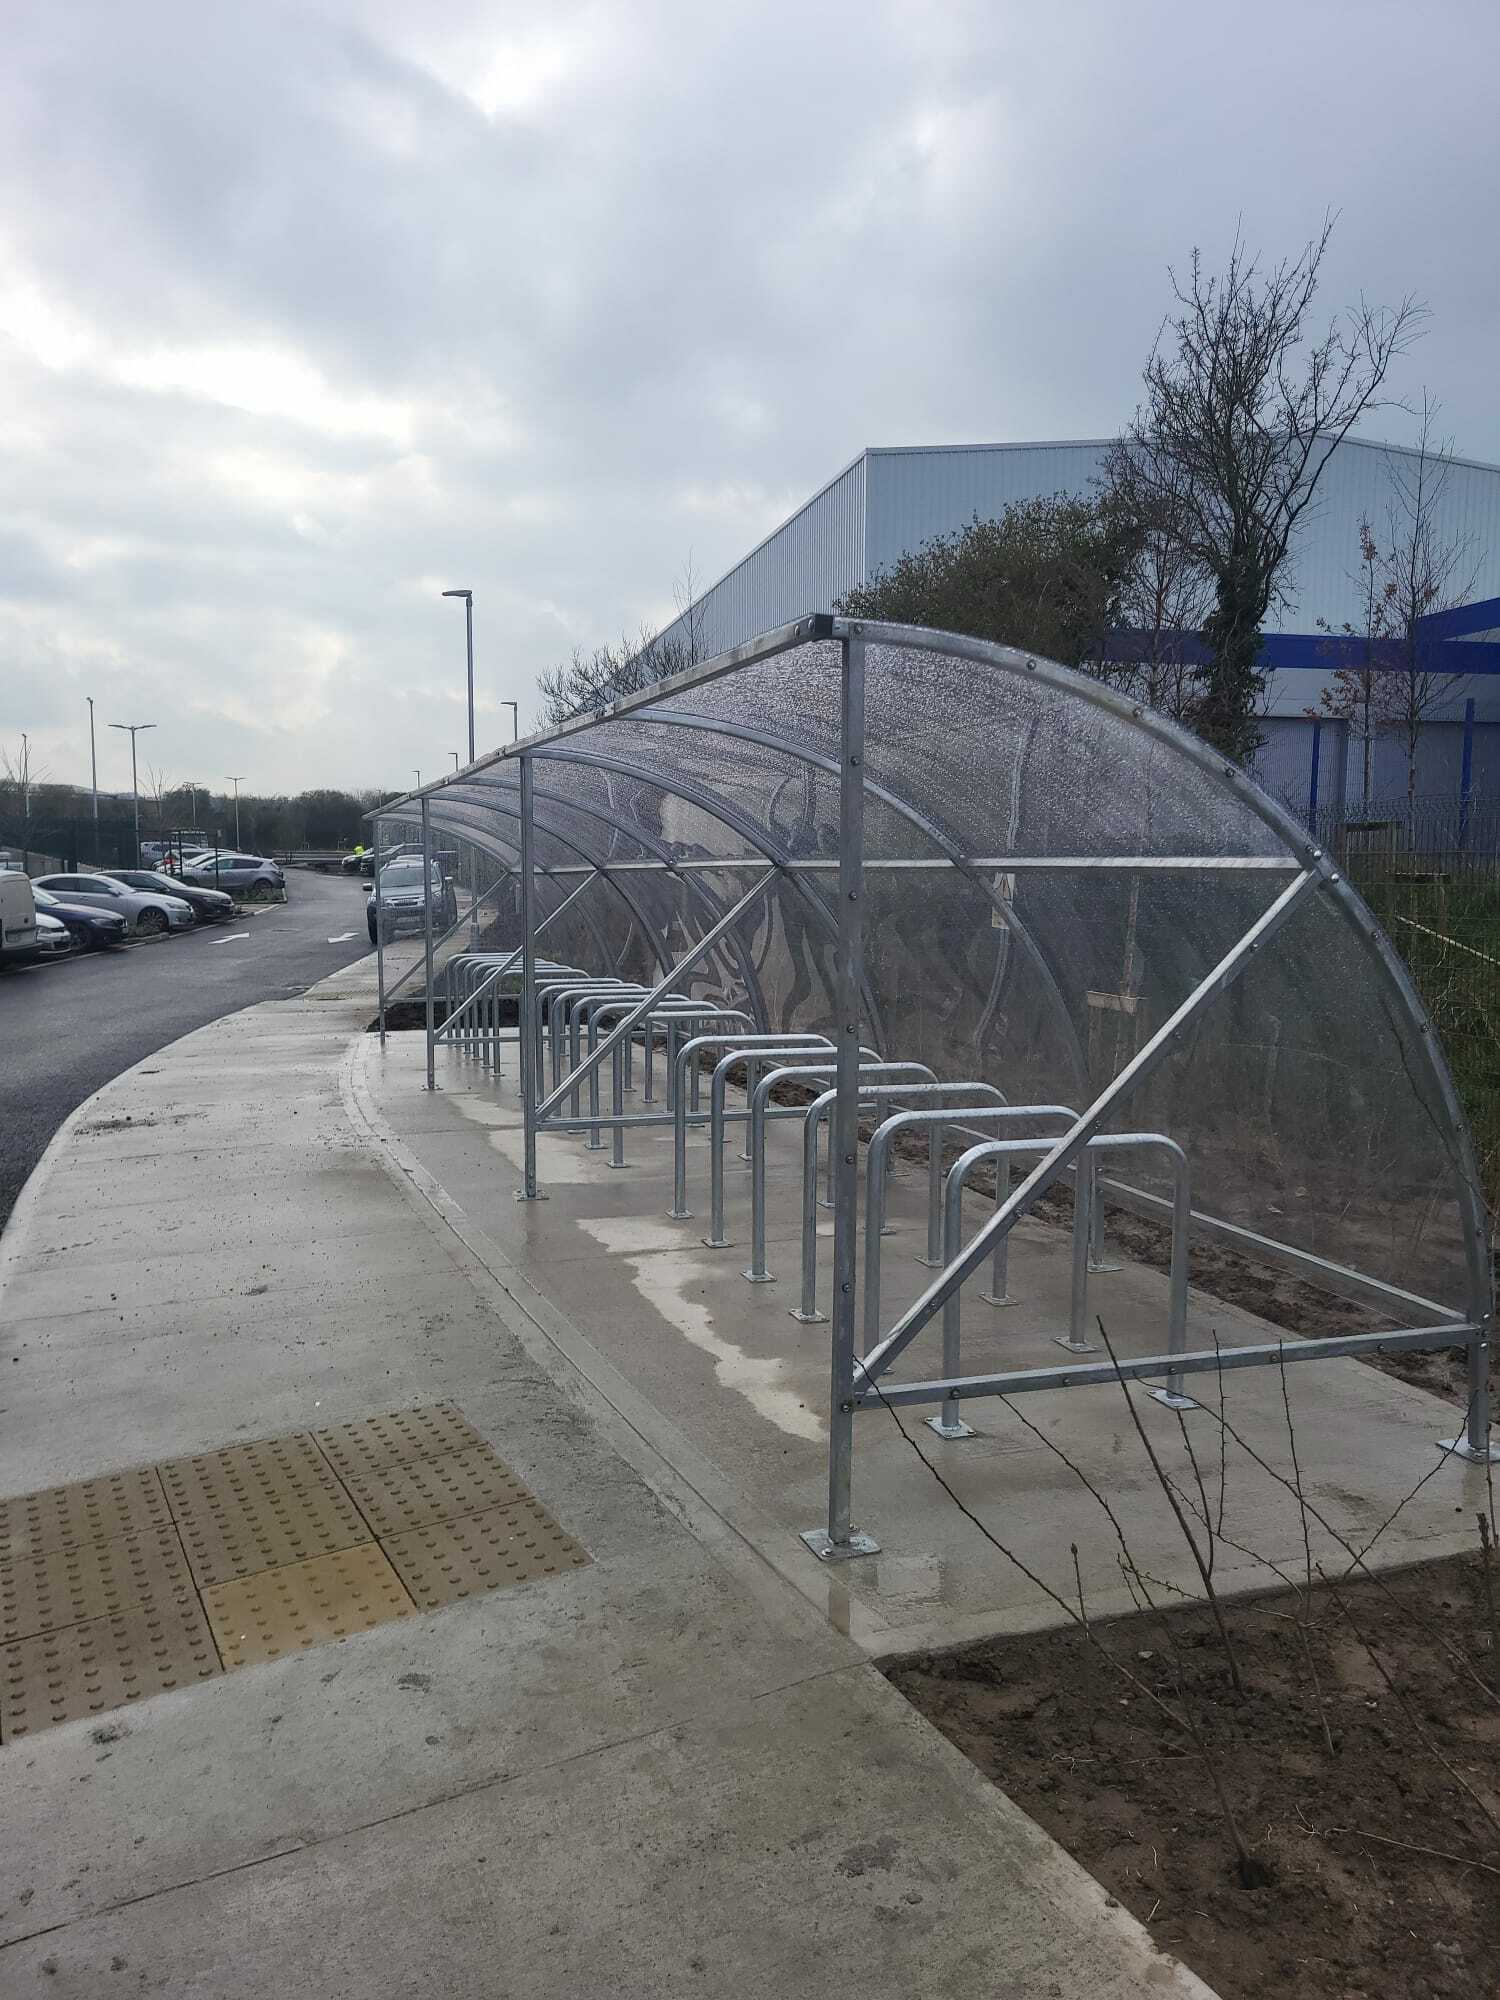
(148, 914)
(209, 906)
(91, 928)
(53, 939)
(387, 854)
(188, 840)
(398, 904)
(248, 876)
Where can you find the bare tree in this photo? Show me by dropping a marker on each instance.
(1243, 408)
(1424, 573)
(1355, 694)
(688, 599)
(21, 774)
(1165, 596)
(592, 681)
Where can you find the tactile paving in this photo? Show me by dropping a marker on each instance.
(370, 1446)
(399, 1497)
(253, 1506)
(122, 1586)
(284, 1610)
(90, 1510)
(451, 1560)
(86, 1669)
(41, 1593)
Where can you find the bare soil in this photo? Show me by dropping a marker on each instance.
(1383, 1865)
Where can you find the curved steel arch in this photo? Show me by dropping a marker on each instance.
(695, 719)
(1347, 900)
(470, 832)
(737, 822)
(688, 878)
(499, 851)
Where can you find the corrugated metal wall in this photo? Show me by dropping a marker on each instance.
(891, 500)
(805, 565)
(917, 493)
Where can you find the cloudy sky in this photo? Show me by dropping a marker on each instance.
(309, 312)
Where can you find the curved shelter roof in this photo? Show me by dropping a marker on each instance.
(1050, 872)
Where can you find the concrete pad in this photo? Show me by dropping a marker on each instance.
(763, 1852)
(662, 1773)
(724, 1364)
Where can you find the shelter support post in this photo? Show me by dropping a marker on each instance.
(840, 1540)
(379, 929)
(527, 1040)
(426, 933)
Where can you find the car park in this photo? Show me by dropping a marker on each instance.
(250, 877)
(398, 905)
(90, 927)
(148, 914)
(209, 906)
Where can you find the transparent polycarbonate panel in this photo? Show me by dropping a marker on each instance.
(1304, 1096)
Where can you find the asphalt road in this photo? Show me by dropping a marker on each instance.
(66, 1029)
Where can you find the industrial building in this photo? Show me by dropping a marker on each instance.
(892, 499)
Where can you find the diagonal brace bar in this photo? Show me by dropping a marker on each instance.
(1073, 1141)
(664, 986)
(500, 972)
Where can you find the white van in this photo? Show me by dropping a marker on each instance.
(18, 929)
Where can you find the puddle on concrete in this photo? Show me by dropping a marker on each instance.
(665, 1281)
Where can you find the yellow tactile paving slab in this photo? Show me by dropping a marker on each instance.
(304, 1604)
(90, 1510)
(86, 1669)
(448, 1561)
(254, 1506)
(399, 1497)
(429, 1432)
(43, 1593)
(122, 1586)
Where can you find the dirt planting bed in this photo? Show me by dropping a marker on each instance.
(1361, 1764)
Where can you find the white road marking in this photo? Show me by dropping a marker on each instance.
(233, 937)
(343, 937)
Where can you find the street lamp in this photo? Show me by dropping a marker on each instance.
(468, 598)
(418, 775)
(93, 776)
(135, 789)
(515, 719)
(454, 755)
(236, 783)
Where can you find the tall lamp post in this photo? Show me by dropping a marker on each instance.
(135, 789)
(236, 783)
(468, 598)
(93, 776)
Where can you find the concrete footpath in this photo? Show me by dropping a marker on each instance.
(664, 1773)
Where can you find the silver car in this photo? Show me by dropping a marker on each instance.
(247, 876)
(148, 914)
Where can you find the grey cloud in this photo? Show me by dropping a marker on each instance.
(642, 310)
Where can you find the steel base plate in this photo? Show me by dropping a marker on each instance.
(829, 1551)
(1171, 1402)
(1461, 1448)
